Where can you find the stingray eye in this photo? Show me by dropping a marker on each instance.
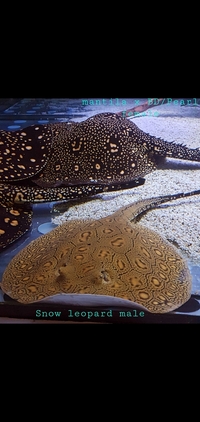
(105, 276)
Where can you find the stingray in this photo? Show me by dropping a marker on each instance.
(113, 256)
(61, 161)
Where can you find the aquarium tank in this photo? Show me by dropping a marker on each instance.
(99, 210)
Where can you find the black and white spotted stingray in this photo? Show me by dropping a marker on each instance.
(69, 160)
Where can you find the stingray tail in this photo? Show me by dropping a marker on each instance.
(141, 207)
(173, 150)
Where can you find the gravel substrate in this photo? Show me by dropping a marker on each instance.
(177, 221)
